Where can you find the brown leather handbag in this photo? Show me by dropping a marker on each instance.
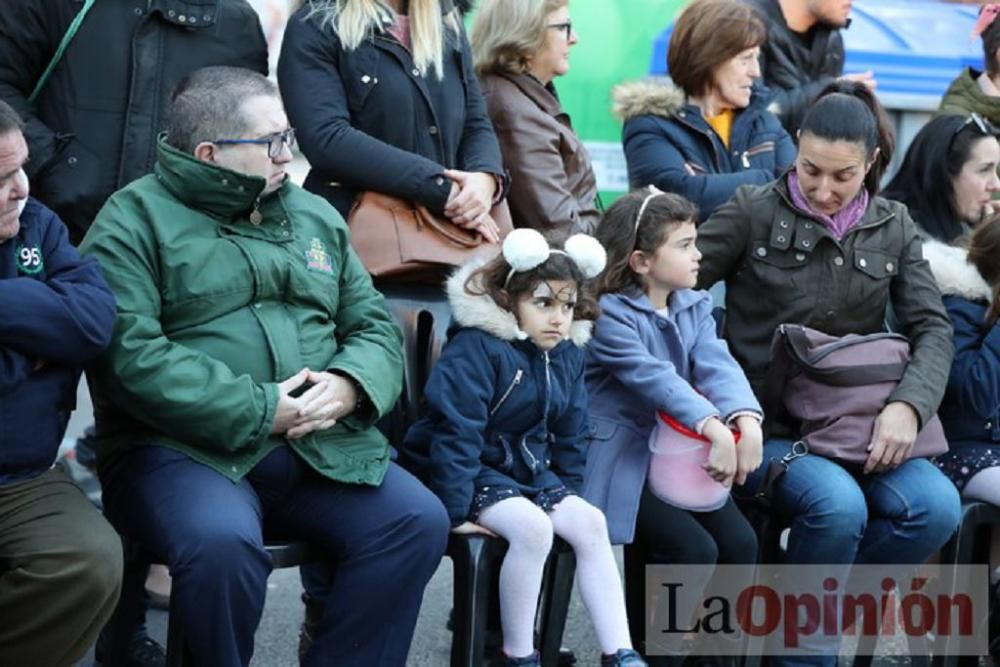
(399, 241)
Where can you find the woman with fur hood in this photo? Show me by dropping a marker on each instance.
(503, 439)
(969, 279)
(710, 131)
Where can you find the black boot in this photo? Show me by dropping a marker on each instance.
(310, 624)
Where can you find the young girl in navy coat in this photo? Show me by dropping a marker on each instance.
(655, 349)
(502, 442)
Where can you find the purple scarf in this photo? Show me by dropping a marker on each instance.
(840, 222)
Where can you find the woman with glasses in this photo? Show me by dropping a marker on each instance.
(520, 47)
(710, 132)
(384, 98)
(949, 176)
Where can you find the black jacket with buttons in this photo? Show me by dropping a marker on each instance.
(93, 129)
(367, 120)
(782, 265)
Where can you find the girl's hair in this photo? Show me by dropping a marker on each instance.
(849, 111)
(489, 280)
(620, 234)
(356, 20)
(984, 254)
(506, 32)
(925, 180)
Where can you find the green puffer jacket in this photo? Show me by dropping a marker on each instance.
(214, 311)
(965, 96)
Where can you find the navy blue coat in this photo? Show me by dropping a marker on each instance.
(970, 409)
(367, 120)
(663, 135)
(56, 314)
(499, 410)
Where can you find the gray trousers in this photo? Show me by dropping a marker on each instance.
(60, 571)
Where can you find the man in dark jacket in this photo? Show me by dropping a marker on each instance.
(62, 562)
(803, 53)
(93, 127)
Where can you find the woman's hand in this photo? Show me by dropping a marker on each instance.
(469, 528)
(721, 463)
(470, 206)
(895, 432)
(750, 451)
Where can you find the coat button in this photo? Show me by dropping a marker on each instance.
(182, 18)
(988, 425)
(256, 304)
(783, 224)
(137, 11)
(171, 13)
(433, 129)
(800, 256)
(439, 180)
(839, 261)
(808, 225)
(889, 266)
(365, 79)
(806, 244)
(862, 262)
(762, 252)
(415, 72)
(831, 313)
(781, 239)
(71, 160)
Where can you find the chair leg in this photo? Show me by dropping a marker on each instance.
(130, 609)
(473, 559)
(635, 593)
(557, 590)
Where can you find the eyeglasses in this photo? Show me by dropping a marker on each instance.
(979, 122)
(566, 27)
(275, 142)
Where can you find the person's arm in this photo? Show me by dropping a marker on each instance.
(539, 185)
(317, 106)
(724, 237)
(14, 369)
(478, 150)
(916, 300)
(370, 342)
(458, 396)
(170, 387)
(617, 347)
(68, 317)
(974, 380)
(569, 451)
(30, 31)
(654, 159)
(716, 373)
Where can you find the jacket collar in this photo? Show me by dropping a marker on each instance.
(879, 208)
(679, 300)
(953, 273)
(661, 97)
(543, 96)
(479, 311)
(220, 192)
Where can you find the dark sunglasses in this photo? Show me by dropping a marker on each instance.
(980, 124)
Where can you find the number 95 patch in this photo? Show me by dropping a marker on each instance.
(29, 260)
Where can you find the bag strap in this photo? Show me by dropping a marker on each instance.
(67, 38)
(797, 346)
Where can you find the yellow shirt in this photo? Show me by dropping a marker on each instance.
(722, 124)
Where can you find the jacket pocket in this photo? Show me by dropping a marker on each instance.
(873, 272)
(359, 72)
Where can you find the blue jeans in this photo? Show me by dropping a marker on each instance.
(211, 534)
(837, 518)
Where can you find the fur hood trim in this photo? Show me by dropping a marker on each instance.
(659, 97)
(953, 273)
(480, 312)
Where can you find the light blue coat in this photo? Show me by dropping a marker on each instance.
(639, 362)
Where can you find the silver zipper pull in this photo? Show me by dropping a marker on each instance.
(745, 160)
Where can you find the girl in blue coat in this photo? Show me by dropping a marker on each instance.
(503, 436)
(970, 411)
(655, 348)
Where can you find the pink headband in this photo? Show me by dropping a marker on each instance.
(987, 15)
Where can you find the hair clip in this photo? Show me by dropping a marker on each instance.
(987, 15)
(526, 249)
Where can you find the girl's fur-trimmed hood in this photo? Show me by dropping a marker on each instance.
(658, 97)
(481, 312)
(954, 274)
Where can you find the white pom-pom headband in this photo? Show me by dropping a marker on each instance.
(526, 249)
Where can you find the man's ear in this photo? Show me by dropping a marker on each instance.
(205, 151)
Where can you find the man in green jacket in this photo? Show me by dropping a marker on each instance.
(250, 360)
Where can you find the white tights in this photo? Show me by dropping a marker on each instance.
(528, 530)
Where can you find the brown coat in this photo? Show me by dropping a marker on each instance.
(552, 186)
(781, 265)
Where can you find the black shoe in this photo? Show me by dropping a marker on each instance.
(143, 651)
(623, 657)
(310, 624)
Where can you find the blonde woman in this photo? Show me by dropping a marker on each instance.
(383, 97)
(520, 47)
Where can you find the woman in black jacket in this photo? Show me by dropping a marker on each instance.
(383, 97)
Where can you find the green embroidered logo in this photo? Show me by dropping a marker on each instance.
(29, 260)
(317, 258)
